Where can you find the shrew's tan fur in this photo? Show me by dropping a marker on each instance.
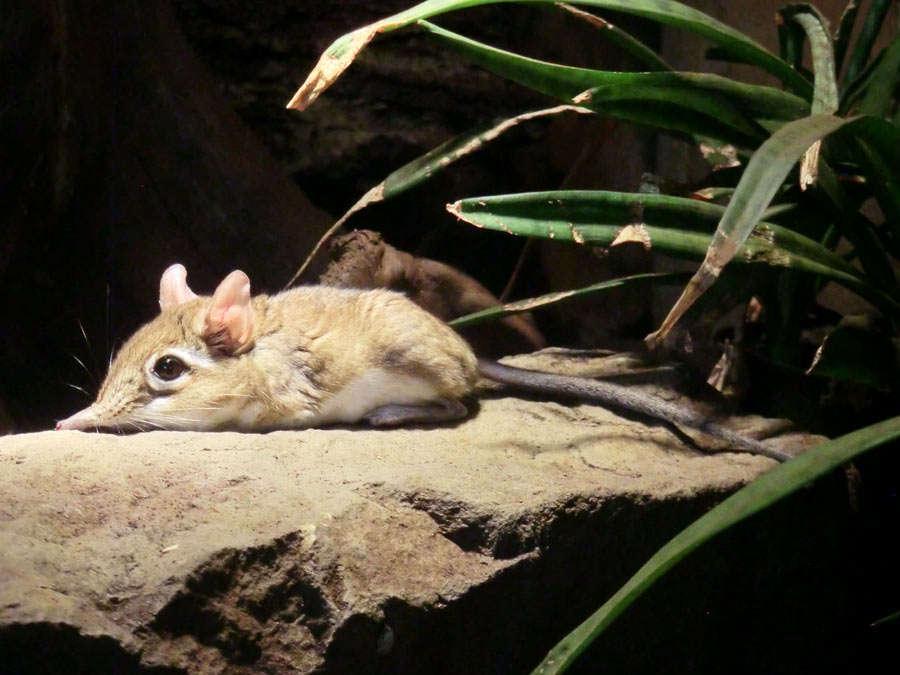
(313, 355)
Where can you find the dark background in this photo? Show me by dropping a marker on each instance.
(135, 135)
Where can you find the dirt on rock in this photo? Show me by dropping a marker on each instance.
(453, 549)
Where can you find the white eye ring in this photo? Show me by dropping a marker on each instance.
(170, 370)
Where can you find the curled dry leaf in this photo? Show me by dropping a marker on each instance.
(334, 62)
(809, 166)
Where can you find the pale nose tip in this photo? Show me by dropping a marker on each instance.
(81, 420)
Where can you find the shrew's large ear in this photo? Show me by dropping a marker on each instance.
(173, 288)
(229, 322)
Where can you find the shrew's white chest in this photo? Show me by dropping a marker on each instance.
(371, 390)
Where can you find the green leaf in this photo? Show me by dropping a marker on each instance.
(870, 29)
(711, 104)
(790, 43)
(764, 176)
(844, 31)
(766, 490)
(343, 51)
(859, 350)
(620, 38)
(760, 181)
(886, 619)
(857, 88)
(672, 225)
(883, 83)
(530, 304)
(857, 229)
(427, 166)
(825, 91)
(878, 141)
(885, 182)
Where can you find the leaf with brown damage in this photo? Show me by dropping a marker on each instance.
(675, 226)
(825, 90)
(765, 173)
(552, 298)
(429, 165)
(335, 61)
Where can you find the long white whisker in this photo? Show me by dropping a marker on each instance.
(106, 330)
(84, 333)
(188, 409)
(140, 425)
(84, 367)
(87, 342)
(156, 418)
(81, 389)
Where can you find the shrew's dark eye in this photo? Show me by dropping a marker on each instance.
(169, 368)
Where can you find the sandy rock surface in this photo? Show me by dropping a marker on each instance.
(341, 550)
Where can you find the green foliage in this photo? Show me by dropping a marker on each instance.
(839, 127)
(843, 130)
(777, 484)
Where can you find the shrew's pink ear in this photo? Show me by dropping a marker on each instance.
(173, 288)
(229, 322)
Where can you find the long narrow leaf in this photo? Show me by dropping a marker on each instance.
(717, 98)
(883, 83)
(675, 226)
(879, 141)
(762, 178)
(842, 35)
(870, 29)
(825, 92)
(530, 304)
(344, 50)
(790, 43)
(427, 166)
(886, 619)
(860, 349)
(858, 231)
(620, 38)
(766, 490)
(657, 99)
(855, 89)
(885, 180)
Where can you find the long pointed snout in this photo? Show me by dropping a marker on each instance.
(83, 419)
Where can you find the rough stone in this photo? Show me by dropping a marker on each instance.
(341, 550)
